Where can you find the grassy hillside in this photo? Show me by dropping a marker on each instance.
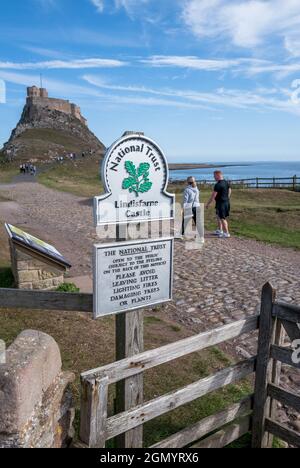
(7, 170)
(36, 144)
(81, 178)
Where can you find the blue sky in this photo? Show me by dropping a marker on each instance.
(209, 80)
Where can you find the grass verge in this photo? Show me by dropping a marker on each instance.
(95, 347)
(271, 216)
(80, 178)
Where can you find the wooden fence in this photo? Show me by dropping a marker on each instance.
(256, 413)
(292, 183)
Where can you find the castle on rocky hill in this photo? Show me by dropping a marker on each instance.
(38, 97)
(50, 127)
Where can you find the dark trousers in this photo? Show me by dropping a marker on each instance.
(194, 216)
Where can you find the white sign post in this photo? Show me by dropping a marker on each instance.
(131, 275)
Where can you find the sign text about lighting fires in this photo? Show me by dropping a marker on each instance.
(132, 275)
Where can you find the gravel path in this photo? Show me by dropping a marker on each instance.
(216, 285)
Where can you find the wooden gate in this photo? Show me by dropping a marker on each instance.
(275, 319)
(257, 411)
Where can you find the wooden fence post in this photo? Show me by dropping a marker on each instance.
(129, 341)
(276, 374)
(264, 369)
(94, 401)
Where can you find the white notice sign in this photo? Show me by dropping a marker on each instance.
(132, 275)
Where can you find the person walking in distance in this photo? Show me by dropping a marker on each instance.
(191, 201)
(221, 195)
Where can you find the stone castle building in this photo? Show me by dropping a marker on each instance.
(38, 97)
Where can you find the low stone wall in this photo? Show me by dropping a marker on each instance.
(36, 406)
(30, 273)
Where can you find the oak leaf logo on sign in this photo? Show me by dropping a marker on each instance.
(138, 182)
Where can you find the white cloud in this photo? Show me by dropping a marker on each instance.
(260, 99)
(130, 6)
(63, 64)
(281, 70)
(54, 86)
(99, 4)
(242, 66)
(292, 44)
(69, 90)
(247, 23)
(197, 63)
(2, 91)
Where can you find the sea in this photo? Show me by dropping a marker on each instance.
(239, 170)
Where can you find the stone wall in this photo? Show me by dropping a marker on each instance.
(36, 404)
(30, 273)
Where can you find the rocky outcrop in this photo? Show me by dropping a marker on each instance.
(67, 132)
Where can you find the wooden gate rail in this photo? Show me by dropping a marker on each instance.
(43, 300)
(208, 425)
(134, 365)
(96, 428)
(227, 435)
(275, 318)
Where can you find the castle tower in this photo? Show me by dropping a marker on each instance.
(33, 92)
(44, 93)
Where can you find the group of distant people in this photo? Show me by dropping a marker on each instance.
(73, 156)
(221, 195)
(28, 168)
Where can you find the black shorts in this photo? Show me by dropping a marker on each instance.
(223, 210)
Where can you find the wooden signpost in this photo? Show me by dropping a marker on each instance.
(132, 275)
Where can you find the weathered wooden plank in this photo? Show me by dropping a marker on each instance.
(94, 401)
(264, 368)
(283, 432)
(154, 408)
(284, 355)
(292, 330)
(286, 398)
(130, 392)
(43, 300)
(288, 312)
(275, 377)
(207, 425)
(226, 436)
(149, 359)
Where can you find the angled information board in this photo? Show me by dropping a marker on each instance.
(36, 246)
(135, 176)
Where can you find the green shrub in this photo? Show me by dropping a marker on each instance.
(68, 288)
(6, 278)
